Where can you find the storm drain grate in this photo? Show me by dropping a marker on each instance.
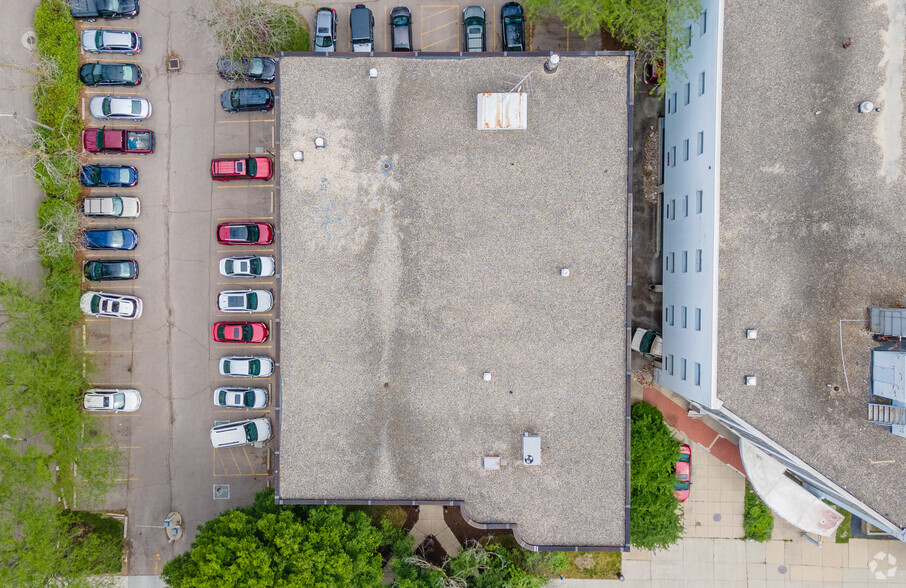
(221, 491)
(173, 64)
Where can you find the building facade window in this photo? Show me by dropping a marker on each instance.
(689, 36)
(686, 205)
(670, 364)
(701, 142)
(683, 368)
(698, 201)
(698, 319)
(685, 261)
(672, 264)
(701, 86)
(670, 315)
(672, 209)
(688, 96)
(698, 260)
(685, 149)
(703, 23)
(698, 374)
(682, 316)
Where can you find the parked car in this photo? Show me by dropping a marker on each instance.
(236, 366)
(401, 29)
(119, 107)
(247, 266)
(112, 207)
(111, 269)
(112, 400)
(246, 99)
(247, 301)
(125, 239)
(245, 233)
(647, 342)
(106, 9)
(108, 176)
(250, 69)
(683, 471)
(474, 25)
(118, 140)
(249, 168)
(512, 23)
(239, 332)
(361, 29)
(241, 433)
(229, 397)
(325, 30)
(107, 41)
(104, 304)
(98, 73)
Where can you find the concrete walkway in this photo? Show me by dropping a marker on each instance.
(431, 523)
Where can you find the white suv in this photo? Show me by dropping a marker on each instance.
(241, 433)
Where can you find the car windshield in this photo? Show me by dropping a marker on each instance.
(117, 269)
(96, 304)
(221, 398)
(256, 66)
(255, 266)
(323, 38)
(253, 300)
(221, 330)
(226, 366)
(254, 367)
(234, 99)
(99, 39)
(228, 266)
(105, 107)
(251, 432)
(119, 401)
(117, 205)
(248, 399)
(252, 231)
(252, 167)
(681, 486)
(236, 301)
(136, 107)
(241, 233)
(400, 20)
(125, 176)
(247, 332)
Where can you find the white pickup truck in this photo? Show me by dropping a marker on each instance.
(112, 206)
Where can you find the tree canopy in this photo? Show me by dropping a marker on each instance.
(655, 29)
(655, 519)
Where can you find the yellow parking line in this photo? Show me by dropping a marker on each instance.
(254, 249)
(226, 122)
(237, 412)
(233, 314)
(111, 351)
(108, 286)
(126, 447)
(214, 463)
(118, 414)
(446, 8)
(257, 346)
(242, 218)
(92, 320)
(105, 92)
(238, 469)
(439, 42)
(124, 253)
(114, 384)
(238, 475)
(125, 479)
(95, 157)
(452, 22)
(256, 282)
(246, 186)
(494, 26)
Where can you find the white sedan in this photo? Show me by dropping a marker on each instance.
(240, 397)
(108, 305)
(245, 301)
(112, 400)
(247, 266)
(246, 367)
(119, 107)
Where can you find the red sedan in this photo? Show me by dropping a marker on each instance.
(683, 471)
(245, 233)
(239, 332)
(251, 168)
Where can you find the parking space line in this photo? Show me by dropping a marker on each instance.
(234, 380)
(494, 26)
(113, 253)
(94, 320)
(125, 479)
(439, 42)
(240, 218)
(446, 8)
(114, 384)
(124, 447)
(214, 463)
(248, 459)
(252, 249)
(108, 286)
(226, 122)
(116, 414)
(247, 186)
(234, 459)
(111, 351)
(237, 475)
(256, 282)
(446, 24)
(115, 157)
(248, 410)
(255, 346)
(94, 25)
(264, 86)
(105, 92)
(232, 154)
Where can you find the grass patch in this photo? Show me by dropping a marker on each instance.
(588, 565)
(758, 522)
(395, 515)
(105, 535)
(844, 531)
(294, 30)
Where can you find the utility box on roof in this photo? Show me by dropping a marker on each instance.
(531, 449)
(502, 111)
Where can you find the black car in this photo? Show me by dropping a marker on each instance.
(243, 99)
(106, 9)
(474, 24)
(108, 176)
(98, 73)
(261, 69)
(110, 239)
(401, 28)
(113, 269)
(513, 27)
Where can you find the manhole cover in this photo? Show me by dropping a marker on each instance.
(781, 569)
(221, 491)
(716, 517)
(29, 39)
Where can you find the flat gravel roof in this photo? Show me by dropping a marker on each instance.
(419, 253)
(811, 231)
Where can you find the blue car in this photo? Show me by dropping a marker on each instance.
(110, 239)
(108, 176)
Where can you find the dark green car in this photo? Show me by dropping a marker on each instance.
(98, 73)
(114, 269)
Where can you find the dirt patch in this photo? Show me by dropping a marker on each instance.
(650, 170)
(411, 517)
(464, 531)
(608, 43)
(431, 551)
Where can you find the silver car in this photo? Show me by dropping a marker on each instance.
(245, 301)
(229, 397)
(106, 41)
(119, 107)
(247, 266)
(236, 366)
(104, 304)
(325, 30)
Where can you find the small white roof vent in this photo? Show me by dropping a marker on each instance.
(751, 381)
(502, 111)
(752, 334)
(486, 376)
(564, 271)
(531, 449)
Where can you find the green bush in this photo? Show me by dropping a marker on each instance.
(759, 520)
(288, 27)
(104, 537)
(655, 517)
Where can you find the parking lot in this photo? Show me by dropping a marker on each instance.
(168, 354)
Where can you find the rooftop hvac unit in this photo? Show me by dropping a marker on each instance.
(531, 449)
(502, 111)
